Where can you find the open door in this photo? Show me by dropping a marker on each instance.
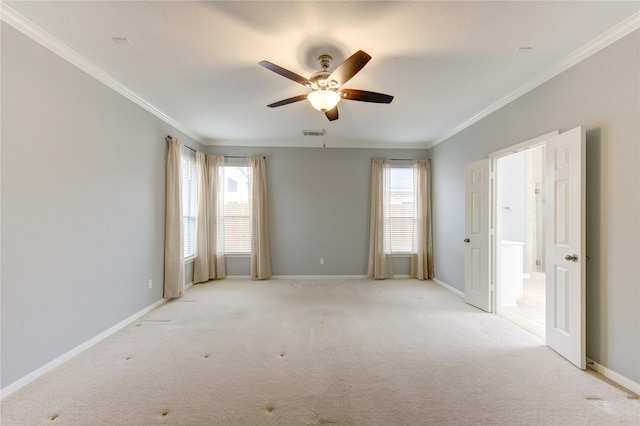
(565, 259)
(477, 251)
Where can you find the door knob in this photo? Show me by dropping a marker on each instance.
(466, 240)
(572, 258)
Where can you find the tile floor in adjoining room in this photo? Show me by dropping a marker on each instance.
(530, 310)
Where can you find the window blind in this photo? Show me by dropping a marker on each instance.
(399, 210)
(237, 210)
(189, 202)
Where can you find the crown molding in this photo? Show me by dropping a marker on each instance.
(316, 142)
(605, 39)
(31, 30)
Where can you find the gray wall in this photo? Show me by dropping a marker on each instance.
(602, 94)
(318, 201)
(83, 178)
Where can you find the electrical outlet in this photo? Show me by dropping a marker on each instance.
(150, 283)
(322, 260)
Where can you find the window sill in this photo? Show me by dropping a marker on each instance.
(237, 255)
(191, 259)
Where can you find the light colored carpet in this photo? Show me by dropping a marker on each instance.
(314, 352)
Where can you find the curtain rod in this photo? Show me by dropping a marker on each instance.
(188, 147)
(225, 156)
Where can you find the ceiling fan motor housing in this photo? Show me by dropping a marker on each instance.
(319, 81)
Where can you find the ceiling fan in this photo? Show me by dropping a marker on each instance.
(326, 85)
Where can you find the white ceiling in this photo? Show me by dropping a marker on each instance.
(447, 63)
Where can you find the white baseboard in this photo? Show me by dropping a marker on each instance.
(614, 377)
(319, 277)
(314, 277)
(13, 387)
(448, 287)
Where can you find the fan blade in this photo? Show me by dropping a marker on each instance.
(332, 114)
(288, 101)
(364, 96)
(349, 67)
(286, 73)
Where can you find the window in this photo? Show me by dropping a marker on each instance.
(237, 210)
(399, 210)
(232, 185)
(189, 202)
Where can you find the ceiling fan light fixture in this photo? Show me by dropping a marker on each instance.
(324, 100)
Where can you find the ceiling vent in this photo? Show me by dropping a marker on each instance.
(121, 40)
(314, 132)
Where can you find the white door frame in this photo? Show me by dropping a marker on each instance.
(496, 211)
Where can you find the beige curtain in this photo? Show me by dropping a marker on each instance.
(209, 262)
(422, 259)
(380, 260)
(173, 235)
(260, 257)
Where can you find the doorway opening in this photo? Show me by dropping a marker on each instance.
(520, 238)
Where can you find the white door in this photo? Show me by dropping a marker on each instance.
(477, 250)
(565, 267)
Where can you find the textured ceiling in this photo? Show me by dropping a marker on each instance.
(445, 62)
